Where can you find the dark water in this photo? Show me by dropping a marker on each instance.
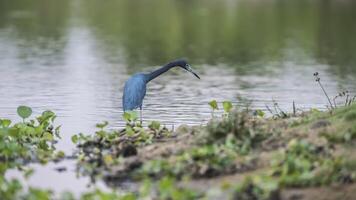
(73, 57)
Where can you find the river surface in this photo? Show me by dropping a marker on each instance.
(73, 58)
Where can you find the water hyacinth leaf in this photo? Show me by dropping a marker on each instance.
(48, 136)
(60, 155)
(130, 116)
(5, 123)
(227, 105)
(46, 115)
(126, 116)
(102, 125)
(214, 105)
(154, 125)
(129, 131)
(75, 139)
(24, 111)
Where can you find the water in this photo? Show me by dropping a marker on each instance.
(73, 57)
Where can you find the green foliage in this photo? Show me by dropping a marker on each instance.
(304, 164)
(204, 161)
(28, 141)
(346, 136)
(301, 164)
(167, 189)
(257, 187)
(227, 105)
(154, 125)
(24, 112)
(130, 116)
(214, 105)
(9, 189)
(4, 123)
(351, 116)
(260, 113)
(100, 195)
(102, 125)
(106, 148)
(239, 128)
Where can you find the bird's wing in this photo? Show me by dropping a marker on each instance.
(134, 92)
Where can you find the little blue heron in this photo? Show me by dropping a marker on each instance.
(135, 87)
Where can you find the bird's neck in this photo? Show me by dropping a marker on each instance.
(159, 71)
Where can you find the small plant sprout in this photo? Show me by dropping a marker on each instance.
(317, 79)
(277, 111)
(4, 123)
(24, 112)
(259, 113)
(214, 106)
(227, 105)
(102, 125)
(130, 117)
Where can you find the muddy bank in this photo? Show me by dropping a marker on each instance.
(240, 155)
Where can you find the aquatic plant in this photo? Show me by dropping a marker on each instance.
(106, 148)
(31, 141)
(214, 106)
(23, 142)
(196, 162)
(301, 164)
(258, 187)
(239, 128)
(13, 189)
(305, 164)
(227, 106)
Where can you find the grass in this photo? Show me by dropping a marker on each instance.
(241, 153)
(299, 152)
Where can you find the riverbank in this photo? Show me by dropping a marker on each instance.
(238, 155)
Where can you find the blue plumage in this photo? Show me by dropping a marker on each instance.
(135, 87)
(134, 92)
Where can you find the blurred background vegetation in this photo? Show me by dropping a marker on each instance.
(204, 31)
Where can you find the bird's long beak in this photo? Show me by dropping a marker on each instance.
(191, 71)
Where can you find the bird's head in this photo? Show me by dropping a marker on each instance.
(184, 64)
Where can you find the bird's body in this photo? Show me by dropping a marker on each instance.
(134, 92)
(135, 86)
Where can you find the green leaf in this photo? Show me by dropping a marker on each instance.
(260, 113)
(60, 154)
(130, 116)
(5, 123)
(214, 105)
(56, 131)
(28, 172)
(108, 159)
(129, 131)
(227, 106)
(46, 115)
(24, 111)
(48, 136)
(102, 125)
(75, 139)
(154, 125)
